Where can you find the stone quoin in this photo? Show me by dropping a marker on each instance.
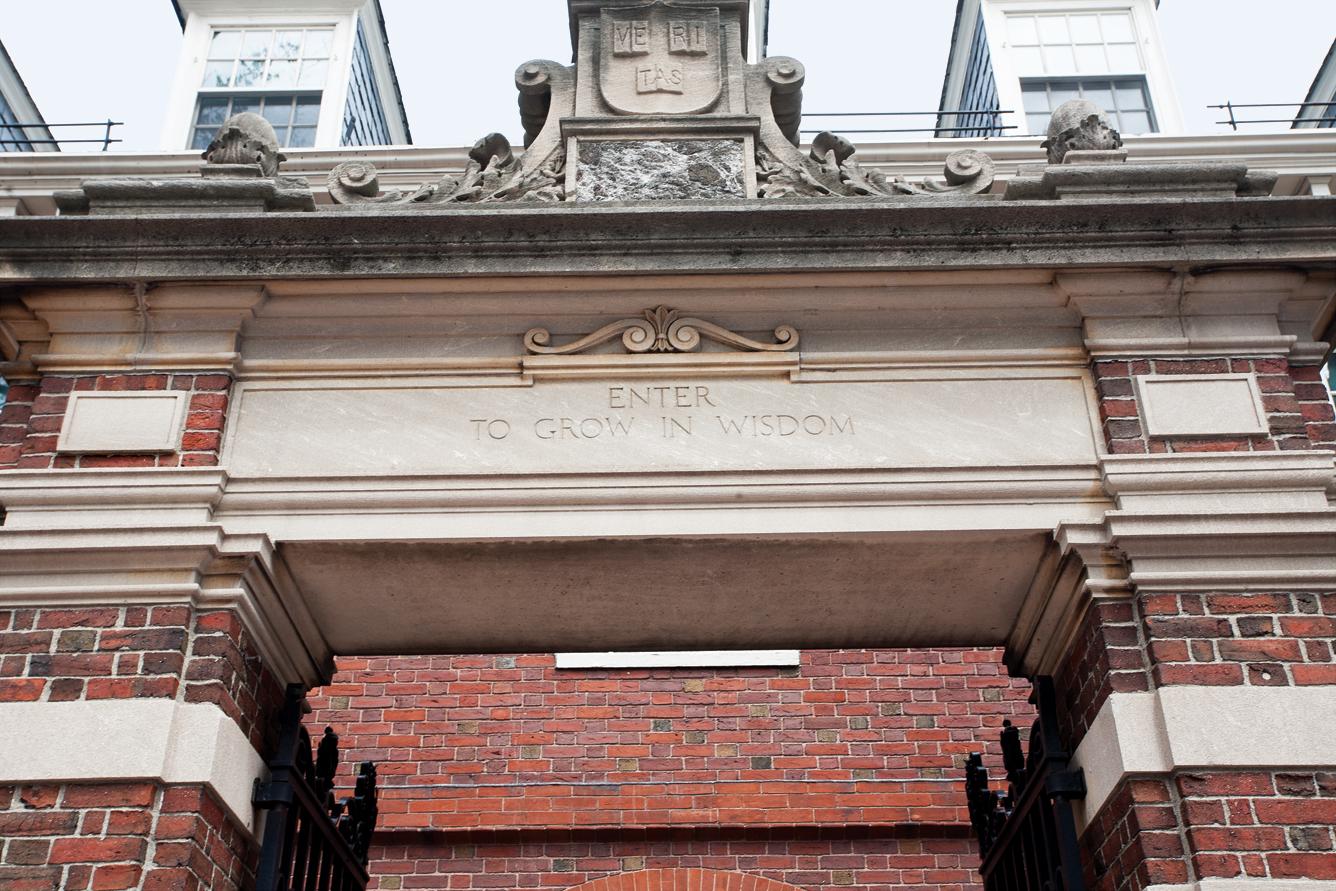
(670, 504)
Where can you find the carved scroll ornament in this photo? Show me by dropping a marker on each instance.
(494, 172)
(660, 330)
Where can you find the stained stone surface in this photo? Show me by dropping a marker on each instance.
(660, 169)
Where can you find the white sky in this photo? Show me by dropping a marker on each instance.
(92, 59)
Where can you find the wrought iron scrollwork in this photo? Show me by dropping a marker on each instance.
(1027, 834)
(310, 838)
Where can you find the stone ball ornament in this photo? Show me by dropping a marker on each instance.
(246, 138)
(1079, 125)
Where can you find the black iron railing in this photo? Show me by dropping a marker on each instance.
(995, 120)
(312, 842)
(16, 134)
(1027, 835)
(1326, 117)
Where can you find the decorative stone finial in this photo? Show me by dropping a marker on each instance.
(1079, 125)
(246, 138)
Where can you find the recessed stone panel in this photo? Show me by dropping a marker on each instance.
(1201, 405)
(104, 423)
(640, 424)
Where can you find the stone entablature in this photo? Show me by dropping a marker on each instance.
(910, 415)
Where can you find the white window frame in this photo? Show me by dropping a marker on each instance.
(1159, 81)
(183, 103)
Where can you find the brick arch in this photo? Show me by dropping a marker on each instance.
(684, 880)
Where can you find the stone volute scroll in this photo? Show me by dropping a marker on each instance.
(660, 330)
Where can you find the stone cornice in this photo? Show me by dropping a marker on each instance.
(672, 237)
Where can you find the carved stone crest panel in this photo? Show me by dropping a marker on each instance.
(660, 59)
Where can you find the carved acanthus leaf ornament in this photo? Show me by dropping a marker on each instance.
(660, 330)
(829, 171)
(493, 173)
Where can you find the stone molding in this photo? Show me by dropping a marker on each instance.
(649, 237)
(1162, 314)
(141, 327)
(1180, 728)
(137, 537)
(1239, 521)
(130, 739)
(1298, 154)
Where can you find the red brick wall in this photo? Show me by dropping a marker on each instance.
(1136, 839)
(1224, 824)
(1298, 407)
(1215, 639)
(502, 771)
(119, 836)
(31, 420)
(171, 652)
(866, 858)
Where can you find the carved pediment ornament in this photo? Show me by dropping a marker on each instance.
(660, 330)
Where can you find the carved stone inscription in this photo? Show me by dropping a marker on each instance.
(659, 59)
(628, 404)
(656, 424)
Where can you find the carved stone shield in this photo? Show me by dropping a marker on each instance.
(660, 59)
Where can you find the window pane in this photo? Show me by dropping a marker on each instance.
(287, 45)
(255, 44)
(308, 109)
(246, 103)
(1028, 60)
(1117, 27)
(248, 74)
(217, 74)
(1101, 94)
(1053, 29)
(302, 137)
(1090, 60)
(1085, 28)
(200, 141)
(317, 44)
(1061, 93)
(225, 45)
(1059, 60)
(211, 112)
(1037, 123)
(1131, 95)
(1123, 57)
(1135, 122)
(1035, 97)
(313, 75)
(278, 111)
(282, 73)
(1021, 30)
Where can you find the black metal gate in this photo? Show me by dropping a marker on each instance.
(1027, 835)
(311, 842)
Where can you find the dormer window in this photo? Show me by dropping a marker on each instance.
(1033, 55)
(274, 72)
(1091, 56)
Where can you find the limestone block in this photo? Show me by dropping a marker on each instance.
(1201, 405)
(106, 423)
